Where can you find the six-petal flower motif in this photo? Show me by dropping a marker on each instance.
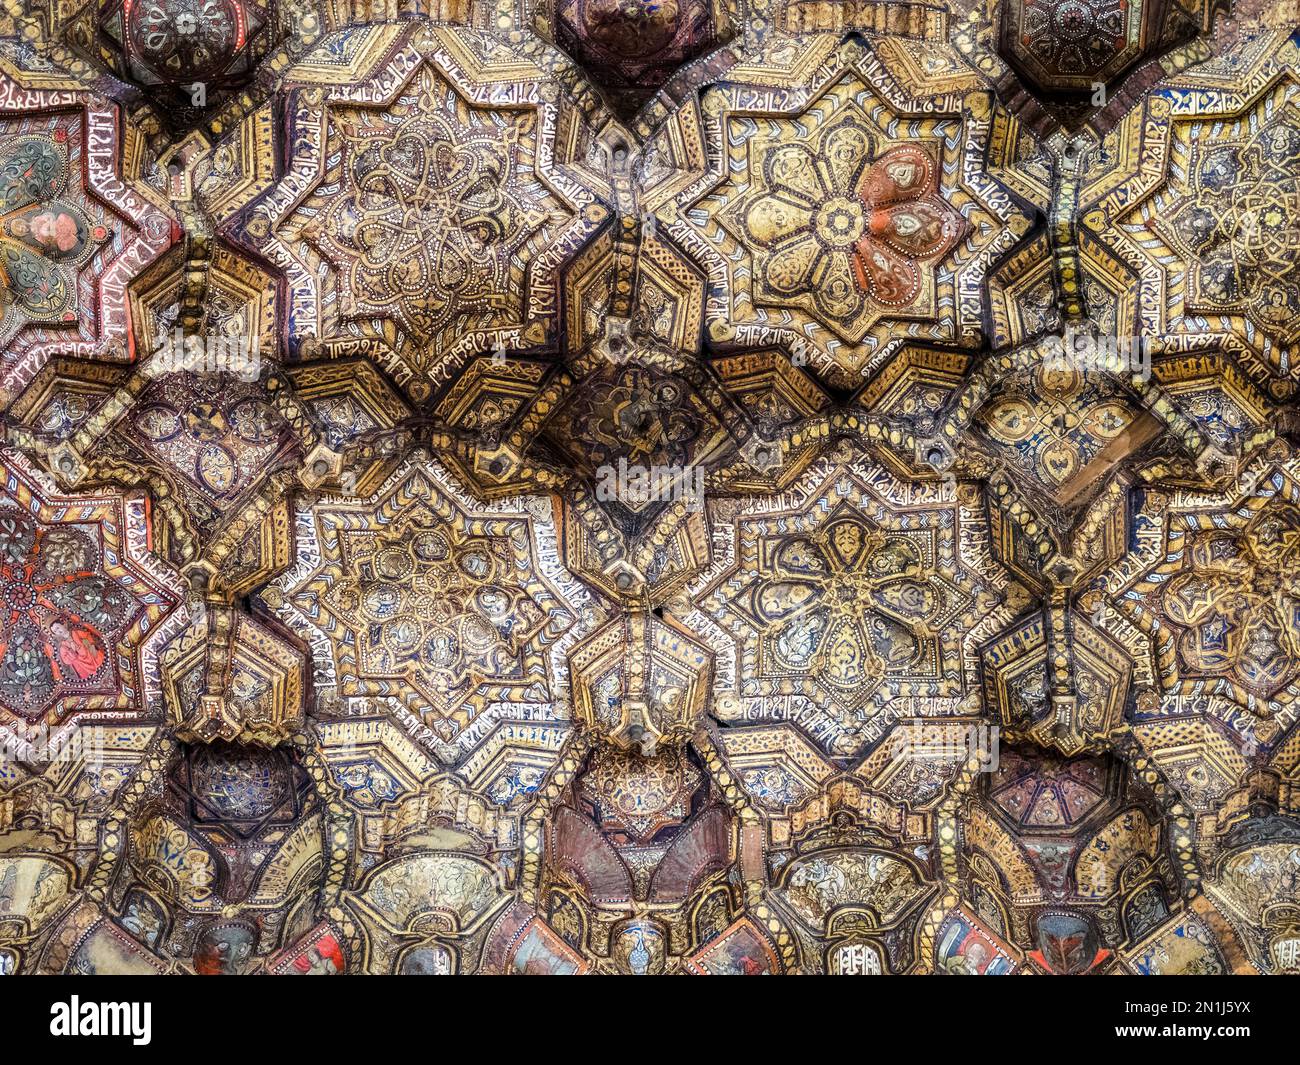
(846, 231)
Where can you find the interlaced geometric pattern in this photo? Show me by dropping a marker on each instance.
(637, 487)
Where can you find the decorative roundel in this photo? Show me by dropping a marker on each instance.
(185, 40)
(631, 28)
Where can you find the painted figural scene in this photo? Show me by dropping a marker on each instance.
(638, 487)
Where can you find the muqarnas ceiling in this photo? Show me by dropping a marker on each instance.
(611, 486)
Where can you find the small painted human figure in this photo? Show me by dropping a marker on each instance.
(78, 648)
